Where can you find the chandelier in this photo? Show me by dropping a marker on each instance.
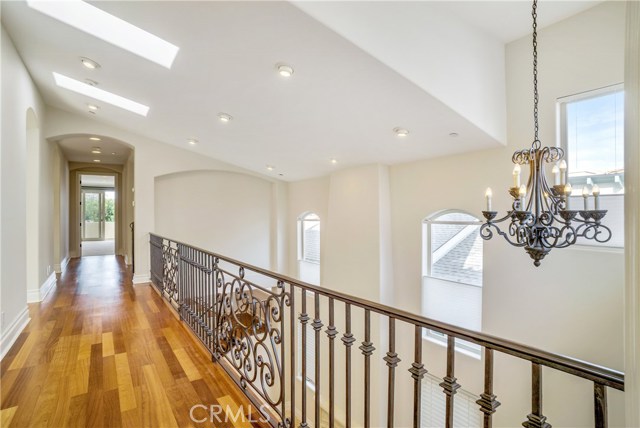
(541, 216)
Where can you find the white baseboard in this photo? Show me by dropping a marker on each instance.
(140, 278)
(126, 260)
(34, 296)
(11, 333)
(62, 266)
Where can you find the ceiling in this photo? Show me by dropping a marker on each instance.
(510, 20)
(341, 103)
(78, 148)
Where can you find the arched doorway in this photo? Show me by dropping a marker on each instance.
(100, 195)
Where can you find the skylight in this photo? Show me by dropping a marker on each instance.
(109, 28)
(99, 94)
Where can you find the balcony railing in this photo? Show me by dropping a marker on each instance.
(248, 317)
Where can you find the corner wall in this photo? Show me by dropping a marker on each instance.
(152, 159)
(573, 303)
(19, 94)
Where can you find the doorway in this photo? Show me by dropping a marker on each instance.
(98, 214)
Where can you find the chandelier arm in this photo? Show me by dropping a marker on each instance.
(592, 231)
(552, 232)
(569, 238)
(539, 219)
(486, 233)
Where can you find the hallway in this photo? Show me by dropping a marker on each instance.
(100, 352)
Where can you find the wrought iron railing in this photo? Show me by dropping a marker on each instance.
(246, 317)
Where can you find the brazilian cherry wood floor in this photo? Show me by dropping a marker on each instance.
(101, 352)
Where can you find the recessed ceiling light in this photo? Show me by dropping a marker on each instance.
(91, 82)
(92, 107)
(89, 63)
(270, 167)
(192, 141)
(401, 132)
(97, 160)
(99, 94)
(453, 134)
(224, 117)
(96, 150)
(111, 29)
(113, 153)
(94, 138)
(284, 70)
(334, 161)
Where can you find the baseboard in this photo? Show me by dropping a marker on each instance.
(126, 260)
(140, 278)
(11, 333)
(34, 296)
(62, 266)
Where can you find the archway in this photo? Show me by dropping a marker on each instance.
(92, 155)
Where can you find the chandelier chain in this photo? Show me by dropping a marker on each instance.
(541, 217)
(534, 15)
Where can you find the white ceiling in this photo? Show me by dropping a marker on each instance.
(509, 20)
(77, 148)
(340, 103)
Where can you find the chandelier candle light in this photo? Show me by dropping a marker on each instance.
(541, 217)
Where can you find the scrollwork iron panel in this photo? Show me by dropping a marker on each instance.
(245, 324)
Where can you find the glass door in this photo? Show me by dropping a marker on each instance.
(92, 215)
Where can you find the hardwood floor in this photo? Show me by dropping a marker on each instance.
(100, 352)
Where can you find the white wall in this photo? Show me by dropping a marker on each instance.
(573, 303)
(632, 215)
(471, 81)
(18, 95)
(152, 159)
(224, 212)
(61, 208)
(127, 201)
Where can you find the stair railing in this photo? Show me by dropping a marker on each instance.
(248, 319)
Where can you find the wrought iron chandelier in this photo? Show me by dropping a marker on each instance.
(541, 217)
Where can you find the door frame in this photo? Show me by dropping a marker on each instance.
(101, 191)
(79, 209)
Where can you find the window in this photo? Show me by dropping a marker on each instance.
(433, 406)
(310, 353)
(592, 134)
(308, 271)
(309, 248)
(452, 274)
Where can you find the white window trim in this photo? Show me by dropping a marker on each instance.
(300, 237)
(433, 219)
(427, 260)
(561, 137)
(561, 111)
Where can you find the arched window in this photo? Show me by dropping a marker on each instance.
(452, 273)
(309, 248)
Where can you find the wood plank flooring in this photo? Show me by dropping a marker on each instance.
(100, 352)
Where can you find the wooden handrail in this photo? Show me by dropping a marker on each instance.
(599, 374)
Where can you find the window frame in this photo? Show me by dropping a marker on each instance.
(467, 348)
(562, 128)
(426, 239)
(300, 238)
(563, 142)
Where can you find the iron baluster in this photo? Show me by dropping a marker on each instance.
(417, 371)
(449, 384)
